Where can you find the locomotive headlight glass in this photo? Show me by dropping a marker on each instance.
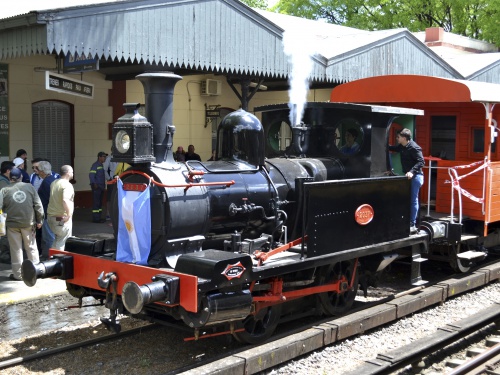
(122, 141)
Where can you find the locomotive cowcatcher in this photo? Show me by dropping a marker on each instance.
(263, 232)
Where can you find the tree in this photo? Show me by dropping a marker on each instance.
(261, 4)
(472, 18)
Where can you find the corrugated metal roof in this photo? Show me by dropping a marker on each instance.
(222, 36)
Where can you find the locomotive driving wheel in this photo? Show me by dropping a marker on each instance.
(334, 303)
(260, 326)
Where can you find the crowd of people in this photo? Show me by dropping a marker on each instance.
(38, 207)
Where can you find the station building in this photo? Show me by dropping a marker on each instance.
(65, 73)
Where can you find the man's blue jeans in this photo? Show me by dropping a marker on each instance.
(416, 183)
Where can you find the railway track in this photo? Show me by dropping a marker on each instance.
(448, 335)
(305, 337)
(269, 355)
(74, 346)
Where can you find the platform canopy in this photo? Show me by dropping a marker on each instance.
(415, 89)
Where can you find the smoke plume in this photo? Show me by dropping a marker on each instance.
(299, 48)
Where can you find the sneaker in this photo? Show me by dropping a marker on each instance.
(11, 277)
(413, 229)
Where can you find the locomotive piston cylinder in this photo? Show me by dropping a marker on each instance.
(219, 308)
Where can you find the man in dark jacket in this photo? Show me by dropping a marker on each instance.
(5, 169)
(47, 176)
(191, 155)
(97, 179)
(24, 212)
(412, 162)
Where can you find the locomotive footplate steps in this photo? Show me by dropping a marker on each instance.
(472, 255)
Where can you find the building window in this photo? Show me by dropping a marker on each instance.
(51, 127)
(478, 141)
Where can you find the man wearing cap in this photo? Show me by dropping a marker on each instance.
(98, 185)
(19, 163)
(24, 213)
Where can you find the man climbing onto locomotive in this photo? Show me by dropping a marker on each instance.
(412, 161)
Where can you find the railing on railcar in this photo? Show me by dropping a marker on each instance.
(477, 181)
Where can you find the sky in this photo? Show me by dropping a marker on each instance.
(15, 7)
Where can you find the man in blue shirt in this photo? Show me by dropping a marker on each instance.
(97, 179)
(47, 176)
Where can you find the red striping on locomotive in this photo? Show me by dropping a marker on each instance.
(87, 269)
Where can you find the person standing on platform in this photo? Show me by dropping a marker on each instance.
(24, 213)
(97, 179)
(20, 163)
(45, 172)
(109, 171)
(61, 207)
(21, 153)
(35, 179)
(5, 169)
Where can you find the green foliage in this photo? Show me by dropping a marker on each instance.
(477, 19)
(261, 4)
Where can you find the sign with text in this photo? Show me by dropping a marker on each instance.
(79, 63)
(58, 82)
(4, 112)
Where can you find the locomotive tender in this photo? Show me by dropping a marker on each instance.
(238, 242)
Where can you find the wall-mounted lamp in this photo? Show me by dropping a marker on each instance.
(255, 84)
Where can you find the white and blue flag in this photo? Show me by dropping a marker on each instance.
(134, 225)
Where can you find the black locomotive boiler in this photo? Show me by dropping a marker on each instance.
(261, 232)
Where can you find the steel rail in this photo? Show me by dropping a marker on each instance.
(50, 352)
(393, 360)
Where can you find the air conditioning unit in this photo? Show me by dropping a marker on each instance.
(211, 87)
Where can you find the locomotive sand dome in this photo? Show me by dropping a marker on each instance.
(238, 241)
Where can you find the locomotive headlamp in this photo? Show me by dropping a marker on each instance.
(132, 137)
(122, 141)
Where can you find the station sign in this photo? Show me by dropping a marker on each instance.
(60, 83)
(79, 63)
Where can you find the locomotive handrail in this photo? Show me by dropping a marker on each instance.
(454, 178)
(455, 184)
(185, 186)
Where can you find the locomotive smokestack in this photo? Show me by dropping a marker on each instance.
(159, 92)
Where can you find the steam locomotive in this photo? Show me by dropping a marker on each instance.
(259, 233)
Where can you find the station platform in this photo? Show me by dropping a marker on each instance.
(12, 292)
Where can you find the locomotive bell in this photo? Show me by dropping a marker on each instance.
(132, 137)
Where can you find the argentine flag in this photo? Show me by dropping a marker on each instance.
(134, 225)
